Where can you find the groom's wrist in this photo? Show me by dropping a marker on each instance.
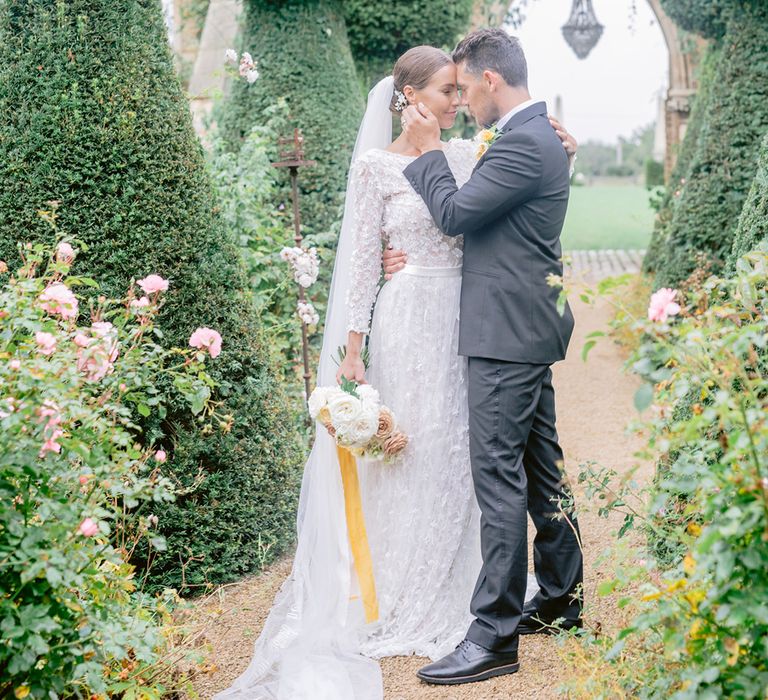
(432, 146)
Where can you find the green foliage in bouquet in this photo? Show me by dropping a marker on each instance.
(80, 489)
(698, 625)
(92, 115)
(753, 223)
(705, 214)
(303, 56)
(379, 33)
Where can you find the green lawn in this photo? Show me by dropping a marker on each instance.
(608, 216)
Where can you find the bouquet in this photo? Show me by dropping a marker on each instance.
(353, 415)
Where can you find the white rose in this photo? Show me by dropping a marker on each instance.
(344, 408)
(252, 76)
(318, 400)
(230, 56)
(365, 428)
(305, 280)
(368, 395)
(371, 402)
(346, 411)
(307, 313)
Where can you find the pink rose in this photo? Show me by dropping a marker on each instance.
(11, 404)
(83, 479)
(206, 339)
(160, 456)
(108, 333)
(57, 298)
(663, 305)
(14, 364)
(152, 284)
(50, 445)
(82, 340)
(46, 342)
(140, 303)
(99, 352)
(88, 528)
(65, 253)
(50, 411)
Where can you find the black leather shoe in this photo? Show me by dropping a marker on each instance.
(534, 623)
(469, 663)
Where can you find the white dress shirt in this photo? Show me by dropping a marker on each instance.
(512, 112)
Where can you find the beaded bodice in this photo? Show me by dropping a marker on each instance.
(388, 210)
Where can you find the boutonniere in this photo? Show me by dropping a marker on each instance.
(486, 138)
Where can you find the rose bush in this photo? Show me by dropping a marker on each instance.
(77, 485)
(699, 628)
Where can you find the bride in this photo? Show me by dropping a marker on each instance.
(420, 513)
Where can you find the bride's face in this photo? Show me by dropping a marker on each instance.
(440, 95)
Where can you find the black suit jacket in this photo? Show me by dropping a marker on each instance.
(511, 213)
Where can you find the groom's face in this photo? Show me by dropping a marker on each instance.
(476, 95)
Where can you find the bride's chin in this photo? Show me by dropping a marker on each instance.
(447, 121)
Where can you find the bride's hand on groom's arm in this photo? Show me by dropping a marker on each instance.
(393, 261)
(569, 143)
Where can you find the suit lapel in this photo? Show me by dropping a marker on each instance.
(524, 115)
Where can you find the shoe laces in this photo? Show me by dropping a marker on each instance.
(464, 644)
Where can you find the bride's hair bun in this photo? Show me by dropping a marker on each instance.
(415, 68)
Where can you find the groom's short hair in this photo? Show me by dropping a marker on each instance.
(494, 50)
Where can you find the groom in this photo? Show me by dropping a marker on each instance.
(511, 212)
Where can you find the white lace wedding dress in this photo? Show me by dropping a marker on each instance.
(420, 513)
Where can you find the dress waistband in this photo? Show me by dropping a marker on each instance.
(420, 271)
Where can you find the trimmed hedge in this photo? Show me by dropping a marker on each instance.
(303, 55)
(658, 247)
(704, 17)
(92, 115)
(753, 222)
(380, 32)
(724, 164)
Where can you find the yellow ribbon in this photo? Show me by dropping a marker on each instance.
(358, 537)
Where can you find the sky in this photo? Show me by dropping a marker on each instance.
(615, 89)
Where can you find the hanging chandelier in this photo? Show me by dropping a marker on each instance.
(582, 31)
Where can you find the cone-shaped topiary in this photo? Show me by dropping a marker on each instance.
(722, 169)
(380, 32)
(303, 55)
(92, 115)
(753, 222)
(658, 247)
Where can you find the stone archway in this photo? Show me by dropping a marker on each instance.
(682, 65)
(682, 82)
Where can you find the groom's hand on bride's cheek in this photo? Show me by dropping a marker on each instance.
(393, 261)
(421, 127)
(569, 143)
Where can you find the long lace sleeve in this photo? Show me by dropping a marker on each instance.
(365, 265)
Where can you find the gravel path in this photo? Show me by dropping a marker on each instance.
(594, 407)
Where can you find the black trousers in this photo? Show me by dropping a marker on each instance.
(516, 462)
